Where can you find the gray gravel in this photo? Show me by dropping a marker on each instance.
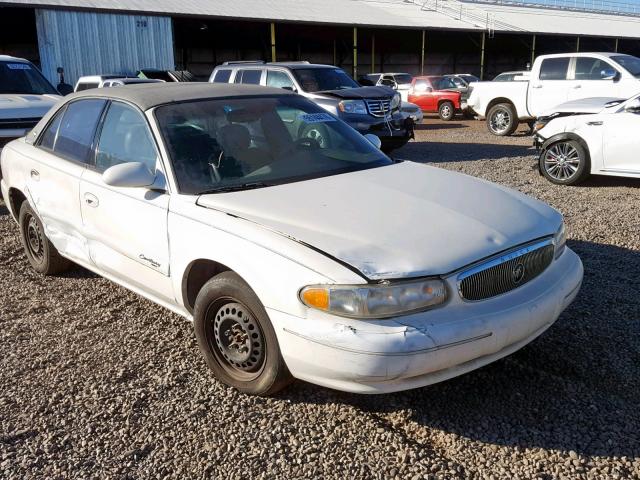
(96, 382)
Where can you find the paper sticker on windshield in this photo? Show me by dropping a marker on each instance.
(18, 66)
(316, 117)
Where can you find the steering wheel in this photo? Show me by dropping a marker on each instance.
(308, 143)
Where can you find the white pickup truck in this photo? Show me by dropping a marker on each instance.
(554, 79)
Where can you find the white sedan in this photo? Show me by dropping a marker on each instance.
(589, 136)
(329, 263)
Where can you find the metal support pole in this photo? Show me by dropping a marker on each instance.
(424, 36)
(335, 52)
(616, 49)
(482, 58)
(577, 44)
(355, 52)
(273, 42)
(533, 50)
(373, 53)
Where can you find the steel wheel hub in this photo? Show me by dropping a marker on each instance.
(238, 337)
(34, 238)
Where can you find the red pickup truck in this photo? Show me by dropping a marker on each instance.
(432, 94)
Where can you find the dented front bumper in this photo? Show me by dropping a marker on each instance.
(421, 349)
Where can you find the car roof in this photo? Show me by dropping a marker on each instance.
(149, 95)
(9, 58)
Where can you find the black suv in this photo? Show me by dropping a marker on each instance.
(374, 110)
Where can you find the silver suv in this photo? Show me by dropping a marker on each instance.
(370, 110)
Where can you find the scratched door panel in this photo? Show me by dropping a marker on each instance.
(126, 231)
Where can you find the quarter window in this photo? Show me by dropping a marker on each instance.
(48, 139)
(554, 68)
(77, 129)
(278, 79)
(125, 137)
(588, 68)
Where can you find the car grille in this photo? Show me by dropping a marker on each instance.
(506, 272)
(379, 108)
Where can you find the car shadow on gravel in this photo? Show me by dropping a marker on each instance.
(437, 152)
(439, 126)
(573, 389)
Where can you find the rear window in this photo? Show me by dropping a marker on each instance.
(87, 86)
(222, 76)
(554, 68)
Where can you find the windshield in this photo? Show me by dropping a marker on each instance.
(470, 78)
(23, 78)
(630, 63)
(228, 144)
(322, 79)
(403, 78)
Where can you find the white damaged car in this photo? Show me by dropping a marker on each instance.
(326, 262)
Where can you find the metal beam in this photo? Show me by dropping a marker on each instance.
(373, 53)
(616, 48)
(355, 52)
(273, 42)
(577, 44)
(482, 58)
(533, 50)
(424, 35)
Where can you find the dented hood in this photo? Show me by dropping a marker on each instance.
(403, 220)
(585, 105)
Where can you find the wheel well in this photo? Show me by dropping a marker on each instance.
(16, 198)
(442, 100)
(196, 275)
(496, 101)
(567, 136)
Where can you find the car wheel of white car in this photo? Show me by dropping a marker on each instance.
(42, 255)
(565, 162)
(502, 119)
(236, 337)
(446, 111)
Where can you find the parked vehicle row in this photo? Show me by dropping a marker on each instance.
(211, 200)
(105, 81)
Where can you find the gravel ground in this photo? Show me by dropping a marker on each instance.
(96, 382)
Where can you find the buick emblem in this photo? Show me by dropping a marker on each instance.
(517, 274)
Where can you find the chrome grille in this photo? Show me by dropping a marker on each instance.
(506, 272)
(379, 108)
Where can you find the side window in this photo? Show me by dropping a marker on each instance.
(48, 139)
(78, 127)
(125, 137)
(252, 77)
(278, 79)
(588, 68)
(554, 68)
(222, 76)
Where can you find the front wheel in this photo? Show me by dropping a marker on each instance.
(502, 119)
(236, 337)
(446, 111)
(565, 163)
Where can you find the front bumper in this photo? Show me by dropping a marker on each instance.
(421, 349)
(398, 128)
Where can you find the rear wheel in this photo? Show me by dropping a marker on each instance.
(565, 163)
(42, 255)
(236, 337)
(502, 119)
(446, 111)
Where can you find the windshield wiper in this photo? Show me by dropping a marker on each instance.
(237, 188)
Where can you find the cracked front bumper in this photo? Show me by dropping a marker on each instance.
(421, 349)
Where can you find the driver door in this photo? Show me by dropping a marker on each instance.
(126, 228)
(621, 144)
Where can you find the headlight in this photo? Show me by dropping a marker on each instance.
(353, 106)
(375, 301)
(560, 241)
(542, 122)
(395, 101)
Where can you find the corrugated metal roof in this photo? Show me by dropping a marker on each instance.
(444, 14)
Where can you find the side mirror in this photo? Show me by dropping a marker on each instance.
(609, 74)
(130, 175)
(374, 140)
(633, 106)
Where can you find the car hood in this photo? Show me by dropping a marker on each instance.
(360, 93)
(26, 105)
(585, 105)
(403, 220)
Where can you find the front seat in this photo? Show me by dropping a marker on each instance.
(236, 143)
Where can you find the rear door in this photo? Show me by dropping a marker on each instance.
(590, 79)
(126, 228)
(551, 85)
(54, 174)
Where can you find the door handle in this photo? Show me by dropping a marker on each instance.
(91, 200)
(536, 86)
(577, 86)
(595, 123)
(35, 175)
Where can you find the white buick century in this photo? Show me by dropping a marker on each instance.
(320, 260)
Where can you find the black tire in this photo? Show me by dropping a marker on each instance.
(502, 120)
(565, 162)
(236, 337)
(446, 111)
(42, 255)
